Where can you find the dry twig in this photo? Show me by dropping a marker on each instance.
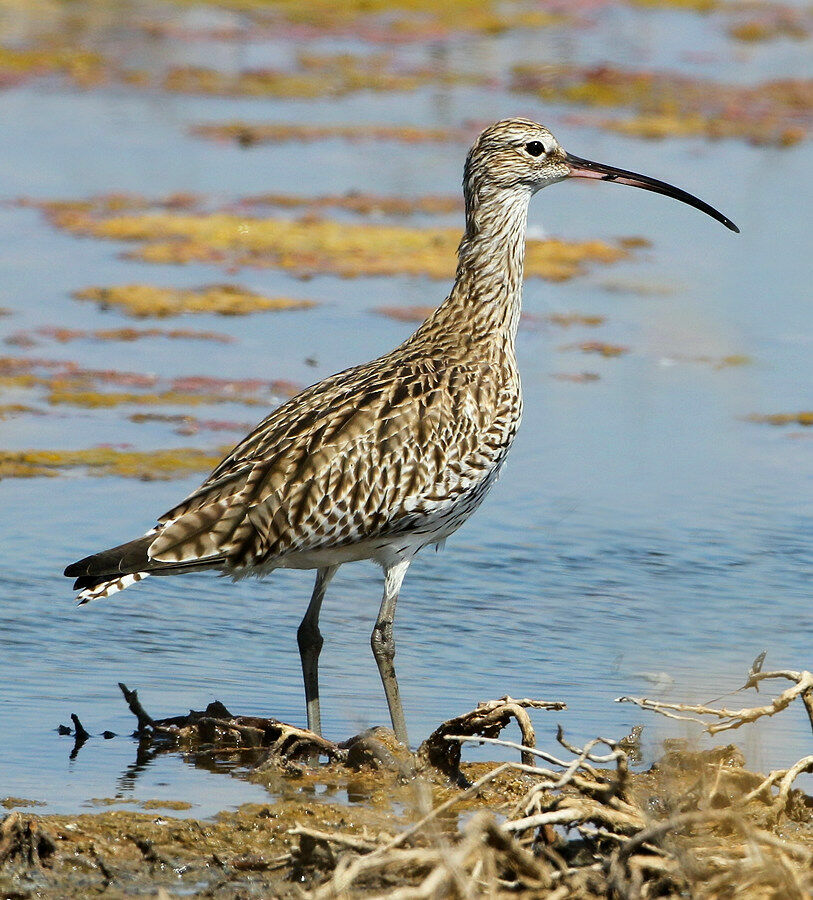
(735, 718)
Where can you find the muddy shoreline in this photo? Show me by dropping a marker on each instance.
(366, 818)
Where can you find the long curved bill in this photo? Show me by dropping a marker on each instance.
(584, 168)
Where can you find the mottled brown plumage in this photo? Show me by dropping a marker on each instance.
(382, 459)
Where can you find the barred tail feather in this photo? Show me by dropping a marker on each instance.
(113, 570)
(106, 588)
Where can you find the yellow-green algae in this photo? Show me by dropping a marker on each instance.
(667, 104)
(83, 67)
(313, 246)
(147, 465)
(394, 18)
(146, 300)
(92, 399)
(67, 383)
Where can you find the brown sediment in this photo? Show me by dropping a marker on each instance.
(145, 300)
(667, 104)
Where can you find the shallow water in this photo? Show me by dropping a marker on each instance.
(644, 539)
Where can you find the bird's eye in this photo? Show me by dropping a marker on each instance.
(535, 148)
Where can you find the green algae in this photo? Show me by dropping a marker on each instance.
(147, 465)
(186, 424)
(13, 802)
(62, 383)
(144, 300)
(93, 399)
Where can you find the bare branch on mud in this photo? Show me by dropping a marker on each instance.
(622, 851)
(487, 720)
(735, 718)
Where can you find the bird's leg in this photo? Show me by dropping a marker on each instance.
(310, 643)
(383, 644)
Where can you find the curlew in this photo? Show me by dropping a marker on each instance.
(384, 458)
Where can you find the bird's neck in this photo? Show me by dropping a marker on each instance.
(485, 303)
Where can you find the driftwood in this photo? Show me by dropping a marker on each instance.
(217, 727)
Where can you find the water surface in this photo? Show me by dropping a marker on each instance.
(645, 538)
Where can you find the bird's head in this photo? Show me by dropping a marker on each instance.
(520, 156)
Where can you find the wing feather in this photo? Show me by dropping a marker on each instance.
(336, 465)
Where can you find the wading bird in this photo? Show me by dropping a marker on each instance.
(388, 457)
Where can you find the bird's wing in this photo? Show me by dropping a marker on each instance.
(363, 454)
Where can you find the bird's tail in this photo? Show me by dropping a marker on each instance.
(111, 571)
